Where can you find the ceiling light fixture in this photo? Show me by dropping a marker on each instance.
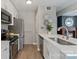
(28, 2)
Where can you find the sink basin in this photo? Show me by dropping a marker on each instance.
(62, 42)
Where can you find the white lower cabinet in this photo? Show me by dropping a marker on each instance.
(55, 53)
(46, 51)
(5, 50)
(62, 55)
(50, 51)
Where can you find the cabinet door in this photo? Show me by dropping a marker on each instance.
(62, 55)
(4, 50)
(54, 52)
(5, 53)
(46, 50)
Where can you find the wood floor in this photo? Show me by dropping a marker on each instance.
(29, 52)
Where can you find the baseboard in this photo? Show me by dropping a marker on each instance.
(31, 44)
(34, 43)
(38, 49)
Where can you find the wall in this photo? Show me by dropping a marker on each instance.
(8, 5)
(40, 17)
(29, 26)
(70, 8)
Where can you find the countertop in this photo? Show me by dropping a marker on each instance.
(69, 50)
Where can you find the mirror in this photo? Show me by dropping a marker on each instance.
(68, 19)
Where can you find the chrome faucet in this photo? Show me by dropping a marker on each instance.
(67, 37)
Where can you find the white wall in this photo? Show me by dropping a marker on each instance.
(70, 8)
(29, 26)
(40, 27)
(41, 13)
(9, 6)
(39, 20)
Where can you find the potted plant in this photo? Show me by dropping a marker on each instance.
(49, 27)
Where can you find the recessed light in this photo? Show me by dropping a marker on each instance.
(28, 2)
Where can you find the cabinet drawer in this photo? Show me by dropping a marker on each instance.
(4, 44)
(5, 53)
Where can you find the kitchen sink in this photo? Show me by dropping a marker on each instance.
(62, 42)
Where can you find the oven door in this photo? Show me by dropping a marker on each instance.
(14, 49)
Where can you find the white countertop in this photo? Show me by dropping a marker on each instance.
(69, 50)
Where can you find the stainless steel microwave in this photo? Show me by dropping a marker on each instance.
(5, 16)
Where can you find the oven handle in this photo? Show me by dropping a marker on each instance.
(13, 43)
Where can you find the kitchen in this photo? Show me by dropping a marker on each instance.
(38, 29)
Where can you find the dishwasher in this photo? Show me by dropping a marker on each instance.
(41, 45)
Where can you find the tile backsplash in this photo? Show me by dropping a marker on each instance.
(4, 26)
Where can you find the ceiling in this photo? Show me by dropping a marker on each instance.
(59, 4)
(71, 13)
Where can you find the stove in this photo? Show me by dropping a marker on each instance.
(13, 44)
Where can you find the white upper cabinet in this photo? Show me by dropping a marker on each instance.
(2, 4)
(7, 5)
